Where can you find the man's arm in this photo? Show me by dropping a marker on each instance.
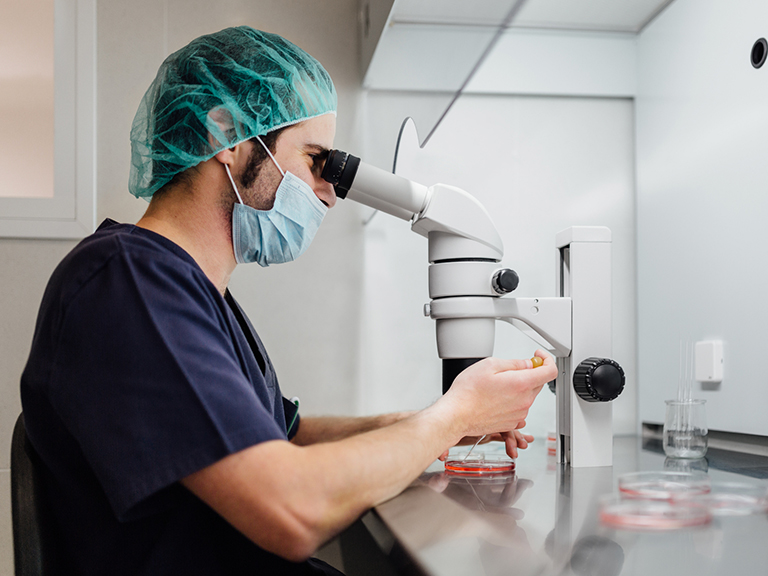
(314, 429)
(290, 499)
(331, 428)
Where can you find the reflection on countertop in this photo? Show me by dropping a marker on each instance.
(543, 519)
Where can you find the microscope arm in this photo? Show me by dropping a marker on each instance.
(545, 320)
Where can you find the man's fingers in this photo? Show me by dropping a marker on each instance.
(503, 365)
(523, 369)
(523, 439)
(515, 441)
(510, 443)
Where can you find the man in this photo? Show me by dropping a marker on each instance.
(149, 395)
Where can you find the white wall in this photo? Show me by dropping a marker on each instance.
(702, 119)
(538, 165)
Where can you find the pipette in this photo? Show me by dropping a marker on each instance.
(536, 361)
(473, 447)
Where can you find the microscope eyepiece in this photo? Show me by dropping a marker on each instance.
(340, 170)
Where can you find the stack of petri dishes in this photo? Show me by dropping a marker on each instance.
(649, 501)
(673, 500)
(666, 485)
(731, 499)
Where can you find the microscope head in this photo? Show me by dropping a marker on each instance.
(464, 249)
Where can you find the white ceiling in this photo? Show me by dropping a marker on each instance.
(433, 45)
(602, 15)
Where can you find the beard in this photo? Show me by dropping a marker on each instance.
(257, 189)
(252, 167)
(260, 180)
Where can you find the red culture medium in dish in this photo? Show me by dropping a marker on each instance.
(651, 514)
(665, 485)
(477, 466)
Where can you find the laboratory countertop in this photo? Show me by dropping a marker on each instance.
(544, 520)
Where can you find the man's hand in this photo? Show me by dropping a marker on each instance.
(513, 440)
(496, 392)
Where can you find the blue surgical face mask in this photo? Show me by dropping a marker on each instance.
(282, 233)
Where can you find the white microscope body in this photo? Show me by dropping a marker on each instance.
(466, 283)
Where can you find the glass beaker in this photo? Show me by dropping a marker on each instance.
(688, 465)
(685, 429)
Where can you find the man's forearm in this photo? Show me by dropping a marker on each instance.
(290, 499)
(330, 428)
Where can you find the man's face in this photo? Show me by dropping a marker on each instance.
(302, 150)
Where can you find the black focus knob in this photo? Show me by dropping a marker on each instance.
(598, 380)
(505, 281)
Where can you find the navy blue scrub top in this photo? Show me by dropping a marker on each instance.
(140, 374)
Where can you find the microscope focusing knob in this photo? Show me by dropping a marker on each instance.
(505, 281)
(598, 380)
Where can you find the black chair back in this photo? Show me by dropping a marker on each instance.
(33, 547)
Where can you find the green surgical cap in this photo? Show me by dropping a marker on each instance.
(218, 91)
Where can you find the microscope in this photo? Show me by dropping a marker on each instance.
(467, 289)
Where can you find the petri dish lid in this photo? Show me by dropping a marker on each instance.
(483, 464)
(652, 515)
(666, 485)
(731, 499)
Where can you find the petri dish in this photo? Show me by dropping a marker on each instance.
(731, 499)
(483, 464)
(663, 485)
(652, 515)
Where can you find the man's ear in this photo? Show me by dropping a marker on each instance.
(231, 155)
(220, 129)
(226, 156)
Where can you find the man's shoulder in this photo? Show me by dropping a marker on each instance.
(120, 249)
(112, 238)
